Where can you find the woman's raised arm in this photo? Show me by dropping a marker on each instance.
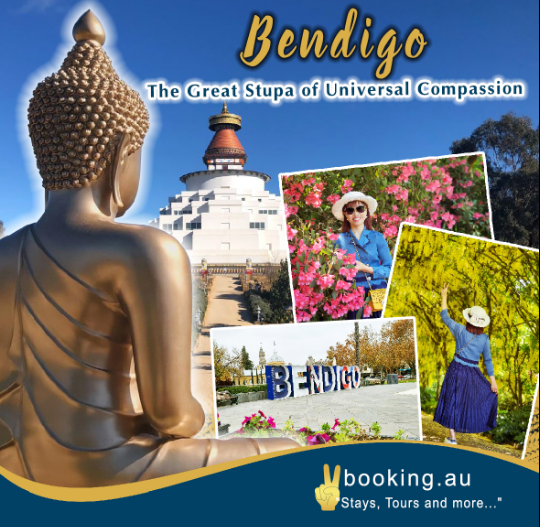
(453, 326)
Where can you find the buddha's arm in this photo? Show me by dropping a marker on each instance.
(9, 253)
(156, 292)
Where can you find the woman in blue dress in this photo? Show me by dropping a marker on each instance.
(373, 258)
(468, 402)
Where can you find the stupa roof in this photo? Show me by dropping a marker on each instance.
(225, 144)
(225, 138)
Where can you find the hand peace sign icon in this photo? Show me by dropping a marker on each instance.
(327, 494)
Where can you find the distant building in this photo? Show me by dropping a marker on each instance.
(250, 377)
(262, 357)
(225, 215)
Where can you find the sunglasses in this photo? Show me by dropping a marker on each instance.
(350, 210)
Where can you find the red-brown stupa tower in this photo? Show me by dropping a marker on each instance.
(225, 152)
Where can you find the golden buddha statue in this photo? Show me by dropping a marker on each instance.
(95, 316)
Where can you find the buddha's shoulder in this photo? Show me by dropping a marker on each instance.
(141, 241)
(10, 245)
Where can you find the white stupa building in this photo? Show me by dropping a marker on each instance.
(225, 215)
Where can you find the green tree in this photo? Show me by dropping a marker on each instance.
(280, 296)
(511, 145)
(247, 364)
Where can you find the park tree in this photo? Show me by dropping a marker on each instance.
(226, 364)
(501, 278)
(280, 296)
(344, 353)
(511, 145)
(247, 363)
(366, 341)
(397, 337)
(357, 343)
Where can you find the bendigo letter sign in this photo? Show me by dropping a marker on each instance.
(297, 381)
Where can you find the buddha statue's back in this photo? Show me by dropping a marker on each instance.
(95, 316)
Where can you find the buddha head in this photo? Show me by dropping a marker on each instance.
(87, 126)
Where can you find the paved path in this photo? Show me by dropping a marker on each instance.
(226, 307)
(393, 406)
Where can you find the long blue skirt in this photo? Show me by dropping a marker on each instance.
(466, 404)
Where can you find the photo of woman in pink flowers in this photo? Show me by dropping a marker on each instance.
(372, 258)
(334, 263)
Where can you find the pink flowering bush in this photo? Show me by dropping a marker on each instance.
(257, 425)
(445, 193)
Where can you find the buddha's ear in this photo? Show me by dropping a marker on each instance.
(117, 165)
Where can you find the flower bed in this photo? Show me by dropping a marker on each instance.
(445, 193)
(260, 425)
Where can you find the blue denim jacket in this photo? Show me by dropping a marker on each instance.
(373, 251)
(478, 346)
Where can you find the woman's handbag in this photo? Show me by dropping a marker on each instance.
(377, 296)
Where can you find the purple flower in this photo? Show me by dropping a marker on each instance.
(336, 423)
(262, 415)
(271, 422)
(304, 430)
(318, 439)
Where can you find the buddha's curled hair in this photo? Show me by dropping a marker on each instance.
(76, 114)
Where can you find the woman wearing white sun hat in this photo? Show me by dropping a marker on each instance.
(373, 258)
(468, 402)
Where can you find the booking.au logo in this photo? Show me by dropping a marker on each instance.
(327, 494)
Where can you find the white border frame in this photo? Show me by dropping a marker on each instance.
(525, 445)
(280, 177)
(306, 327)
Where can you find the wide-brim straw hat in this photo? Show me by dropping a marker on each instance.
(476, 316)
(337, 207)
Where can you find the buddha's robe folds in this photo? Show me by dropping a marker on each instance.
(68, 389)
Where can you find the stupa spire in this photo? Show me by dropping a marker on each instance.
(225, 152)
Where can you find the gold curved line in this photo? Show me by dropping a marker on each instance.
(142, 487)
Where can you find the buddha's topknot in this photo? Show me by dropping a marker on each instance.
(75, 117)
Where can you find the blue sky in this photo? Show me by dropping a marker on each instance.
(181, 40)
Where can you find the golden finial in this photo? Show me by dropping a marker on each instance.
(88, 27)
(225, 118)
